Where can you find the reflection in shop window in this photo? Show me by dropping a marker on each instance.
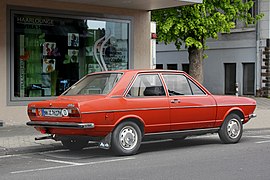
(52, 53)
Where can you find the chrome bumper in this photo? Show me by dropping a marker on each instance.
(60, 125)
(252, 116)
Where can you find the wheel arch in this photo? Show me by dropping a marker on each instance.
(133, 118)
(236, 111)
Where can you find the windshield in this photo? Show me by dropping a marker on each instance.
(94, 84)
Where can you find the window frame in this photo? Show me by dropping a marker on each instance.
(12, 10)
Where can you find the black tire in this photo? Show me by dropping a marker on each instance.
(231, 130)
(74, 144)
(126, 139)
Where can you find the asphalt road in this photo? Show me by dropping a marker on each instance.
(202, 157)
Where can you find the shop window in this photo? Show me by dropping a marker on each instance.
(50, 53)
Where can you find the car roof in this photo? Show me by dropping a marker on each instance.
(141, 71)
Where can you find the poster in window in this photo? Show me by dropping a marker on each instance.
(73, 55)
(73, 39)
(49, 48)
(48, 65)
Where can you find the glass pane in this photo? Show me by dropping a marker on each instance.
(147, 85)
(52, 53)
(195, 89)
(172, 66)
(159, 66)
(95, 84)
(177, 85)
(185, 67)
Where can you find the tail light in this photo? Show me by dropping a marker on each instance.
(32, 111)
(74, 112)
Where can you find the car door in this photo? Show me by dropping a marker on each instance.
(147, 99)
(190, 106)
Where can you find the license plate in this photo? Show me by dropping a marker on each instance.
(52, 112)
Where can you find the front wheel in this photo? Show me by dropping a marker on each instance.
(126, 138)
(231, 130)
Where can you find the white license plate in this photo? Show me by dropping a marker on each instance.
(52, 112)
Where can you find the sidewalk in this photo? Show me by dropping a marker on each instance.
(262, 121)
(21, 139)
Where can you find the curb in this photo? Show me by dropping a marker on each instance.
(29, 149)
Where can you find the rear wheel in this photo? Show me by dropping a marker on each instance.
(231, 130)
(126, 138)
(74, 144)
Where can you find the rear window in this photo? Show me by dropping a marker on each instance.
(95, 84)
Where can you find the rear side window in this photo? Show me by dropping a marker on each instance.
(146, 85)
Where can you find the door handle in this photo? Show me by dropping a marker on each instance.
(175, 101)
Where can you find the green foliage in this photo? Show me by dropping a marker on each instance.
(194, 24)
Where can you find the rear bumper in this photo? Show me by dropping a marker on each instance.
(252, 116)
(60, 125)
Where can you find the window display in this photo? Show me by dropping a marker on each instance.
(52, 53)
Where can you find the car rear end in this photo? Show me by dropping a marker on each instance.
(57, 117)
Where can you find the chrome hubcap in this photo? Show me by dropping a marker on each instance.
(128, 138)
(233, 128)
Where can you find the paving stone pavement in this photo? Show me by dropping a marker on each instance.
(19, 139)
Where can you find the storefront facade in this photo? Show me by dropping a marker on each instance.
(46, 46)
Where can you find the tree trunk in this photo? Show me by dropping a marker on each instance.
(196, 63)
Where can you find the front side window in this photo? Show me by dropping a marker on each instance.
(50, 53)
(177, 85)
(94, 84)
(195, 89)
(146, 85)
(180, 85)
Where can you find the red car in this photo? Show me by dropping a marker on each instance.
(121, 108)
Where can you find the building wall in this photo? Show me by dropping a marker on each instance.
(140, 44)
(264, 24)
(243, 45)
(264, 34)
(237, 47)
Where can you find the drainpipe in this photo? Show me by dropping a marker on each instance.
(258, 61)
(153, 45)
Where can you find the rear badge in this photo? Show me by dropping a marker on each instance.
(40, 112)
(65, 112)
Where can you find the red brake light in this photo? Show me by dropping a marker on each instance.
(32, 112)
(74, 112)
